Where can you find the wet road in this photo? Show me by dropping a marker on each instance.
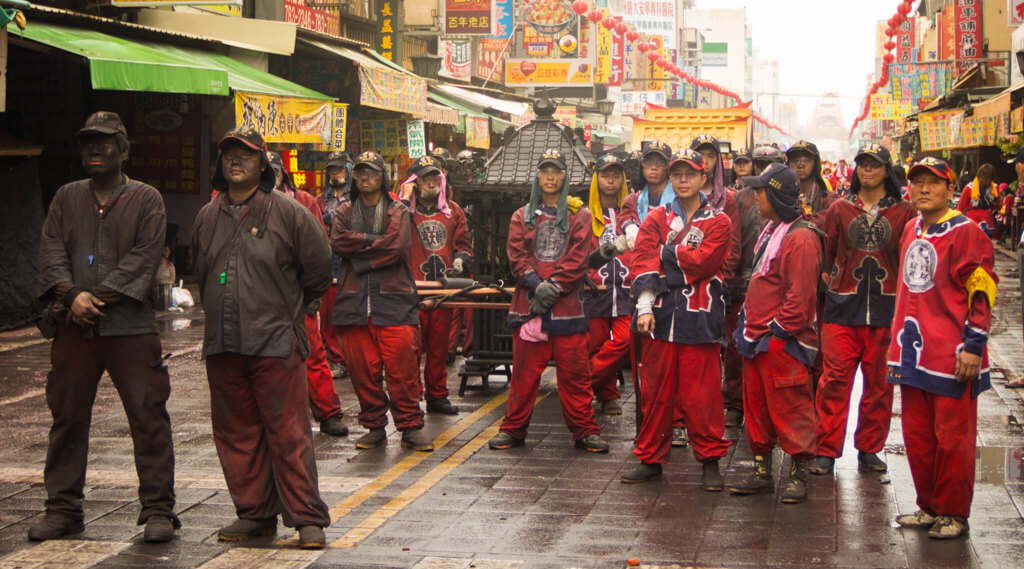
(546, 505)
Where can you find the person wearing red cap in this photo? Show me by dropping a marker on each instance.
(337, 182)
(324, 402)
(863, 232)
(261, 259)
(610, 312)
(777, 338)
(550, 241)
(101, 244)
(441, 247)
(938, 353)
(680, 304)
(376, 307)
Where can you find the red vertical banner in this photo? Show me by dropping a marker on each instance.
(969, 46)
(618, 71)
(905, 41)
(946, 24)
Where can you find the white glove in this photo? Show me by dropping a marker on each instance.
(620, 244)
(458, 265)
(631, 232)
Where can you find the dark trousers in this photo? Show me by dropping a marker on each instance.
(263, 437)
(140, 377)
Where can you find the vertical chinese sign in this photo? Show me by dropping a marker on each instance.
(618, 71)
(387, 31)
(490, 59)
(417, 140)
(469, 18)
(456, 59)
(968, 34)
(945, 21)
(905, 41)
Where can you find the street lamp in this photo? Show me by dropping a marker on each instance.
(605, 107)
(426, 65)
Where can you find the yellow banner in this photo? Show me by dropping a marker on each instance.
(604, 53)
(550, 72)
(884, 108)
(478, 132)
(285, 120)
(655, 72)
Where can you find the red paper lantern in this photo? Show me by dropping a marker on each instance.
(652, 56)
(655, 42)
(620, 28)
(643, 46)
(888, 58)
(632, 35)
(580, 7)
(661, 62)
(595, 16)
(890, 32)
(889, 45)
(608, 23)
(903, 9)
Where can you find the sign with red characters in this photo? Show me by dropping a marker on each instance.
(969, 42)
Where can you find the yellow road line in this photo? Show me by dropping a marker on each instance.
(352, 501)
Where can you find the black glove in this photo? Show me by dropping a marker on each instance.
(606, 252)
(313, 307)
(537, 307)
(547, 294)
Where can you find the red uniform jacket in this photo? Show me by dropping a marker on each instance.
(439, 240)
(684, 270)
(979, 211)
(783, 302)
(615, 275)
(545, 253)
(862, 253)
(935, 317)
(374, 278)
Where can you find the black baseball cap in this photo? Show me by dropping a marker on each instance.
(657, 147)
(876, 151)
(704, 140)
(425, 165)
(769, 153)
(742, 157)
(804, 146)
(275, 161)
(778, 176)
(607, 161)
(371, 159)
(339, 159)
(441, 152)
(552, 156)
(248, 136)
(103, 122)
(938, 167)
(688, 156)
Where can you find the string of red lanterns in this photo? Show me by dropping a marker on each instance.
(650, 47)
(902, 14)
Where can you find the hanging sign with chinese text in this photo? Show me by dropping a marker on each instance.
(285, 119)
(968, 34)
(550, 72)
(468, 18)
(296, 12)
(387, 31)
(392, 90)
(417, 140)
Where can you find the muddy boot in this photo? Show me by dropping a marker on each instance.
(760, 481)
(611, 407)
(796, 487)
(643, 473)
(710, 478)
(869, 461)
(375, 438)
(822, 465)
(417, 440)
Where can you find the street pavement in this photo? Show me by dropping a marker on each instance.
(546, 505)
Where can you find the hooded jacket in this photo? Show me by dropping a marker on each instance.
(615, 274)
(862, 255)
(552, 244)
(260, 264)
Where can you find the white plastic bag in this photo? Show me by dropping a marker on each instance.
(181, 297)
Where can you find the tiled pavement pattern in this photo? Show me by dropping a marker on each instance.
(546, 505)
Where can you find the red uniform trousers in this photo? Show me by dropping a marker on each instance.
(323, 398)
(732, 379)
(462, 332)
(778, 405)
(435, 329)
(691, 373)
(263, 439)
(940, 434)
(610, 340)
(328, 331)
(369, 351)
(845, 347)
(529, 359)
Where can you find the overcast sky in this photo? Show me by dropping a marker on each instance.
(821, 45)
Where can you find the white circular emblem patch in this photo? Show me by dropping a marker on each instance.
(694, 237)
(433, 234)
(548, 242)
(919, 266)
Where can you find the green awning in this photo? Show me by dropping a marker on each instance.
(121, 65)
(497, 125)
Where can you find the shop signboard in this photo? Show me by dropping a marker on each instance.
(635, 102)
(551, 30)
(392, 90)
(490, 58)
(618, 69)
(969, 48)
(504, 24)
(1017, 120)
(548, 72)
(387, 31)
(905, 41)
(945, 22)
(603, 65)
(417, 139)
(468, 18)
(456, 59)
(915, 81)
(298, 13)
(387, 137)
(339, 132)
(287, 120)
(478, 132)
(167, 130)
(652, 17)
(885, 108)
(1014, 12)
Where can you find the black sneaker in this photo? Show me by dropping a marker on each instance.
(505, 441)
(822, 465)
(643, 473)
(870, 461)
(159, 529)
(312, 537)
(52, 527)
(243, 528)
(373, 439)
(442, 406)
(592, 443)
(334, 427)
